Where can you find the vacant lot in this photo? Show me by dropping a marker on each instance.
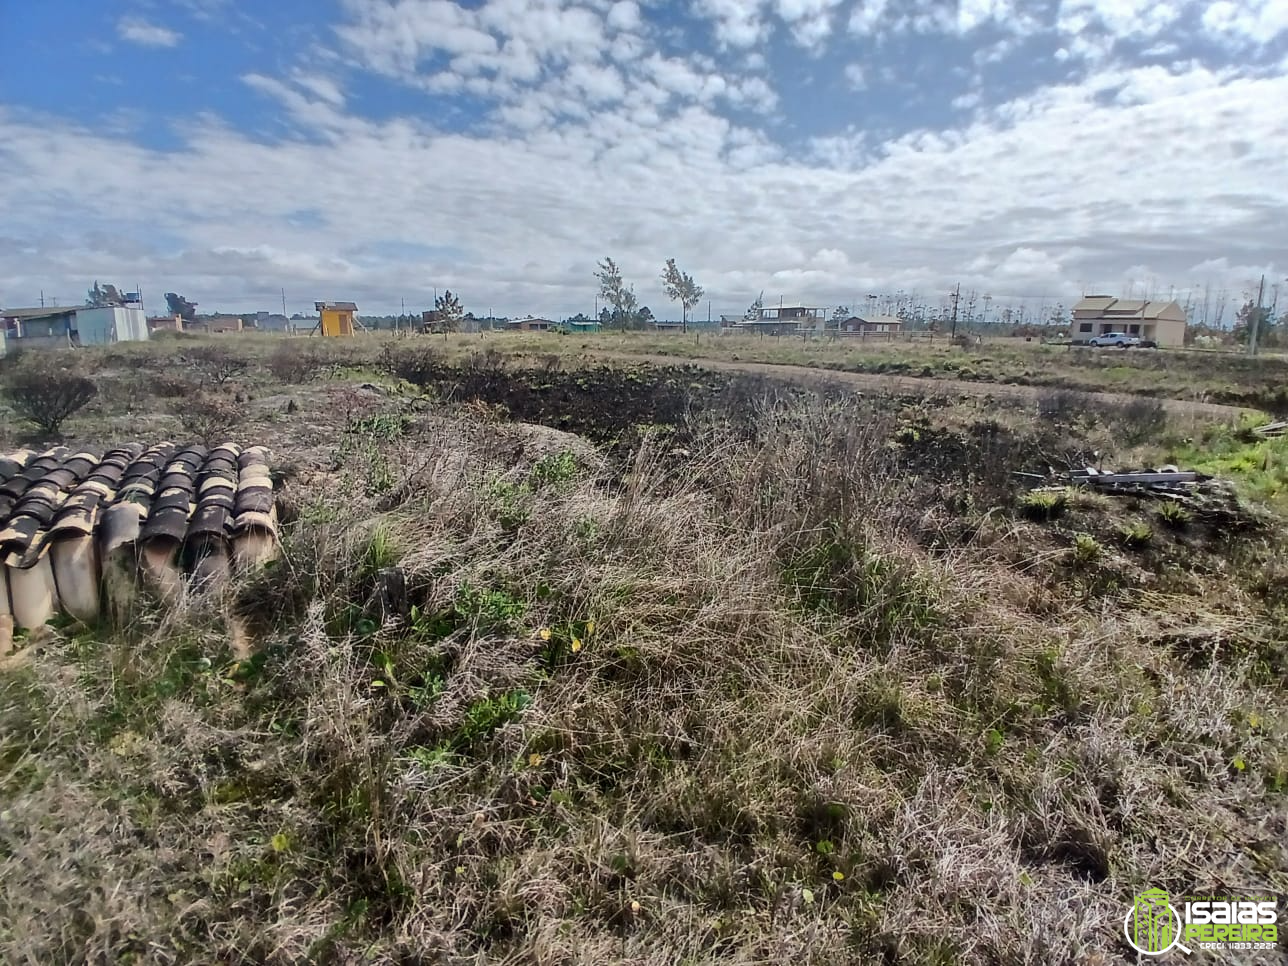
(1190, 375)
(697, 665)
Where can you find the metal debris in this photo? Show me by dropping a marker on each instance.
(1166, 479)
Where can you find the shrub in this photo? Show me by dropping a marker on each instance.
(48, 394)
(209, 418)
(419, 366)
(215, 363)
(1136, 420)
(295, 364)
(489, 360)
(1063, 405)
(170, 387)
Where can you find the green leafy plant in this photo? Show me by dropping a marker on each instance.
(555, 469)
(490, 608)
(491, 712)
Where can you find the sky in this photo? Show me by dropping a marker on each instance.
(818, 151)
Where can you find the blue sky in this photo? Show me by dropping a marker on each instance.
(817, 150)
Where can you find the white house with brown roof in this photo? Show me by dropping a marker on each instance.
(1163, 322)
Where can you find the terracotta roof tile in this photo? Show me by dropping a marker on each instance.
(185, 498)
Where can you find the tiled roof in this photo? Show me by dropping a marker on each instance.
(1112, 309)
(176, 503)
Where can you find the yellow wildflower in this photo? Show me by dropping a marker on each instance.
(590, 628)
(576, 644)
(534, 759)
(838, 875)
(545, 633)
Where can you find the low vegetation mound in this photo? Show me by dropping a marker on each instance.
(815, 692)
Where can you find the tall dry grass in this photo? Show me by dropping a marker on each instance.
(727, 705)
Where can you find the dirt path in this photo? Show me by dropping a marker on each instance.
(878, 382)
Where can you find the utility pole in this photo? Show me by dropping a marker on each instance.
(957, 294)
(1256, 319)
(283, 302)
(42, 298)
(401, 315)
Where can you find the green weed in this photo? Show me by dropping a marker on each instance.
(1086, 549)
(1135, 535)
(1174, 515)
(1044, 504)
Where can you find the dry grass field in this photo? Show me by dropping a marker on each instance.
(698, 666)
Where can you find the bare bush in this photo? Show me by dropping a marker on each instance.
(210, 418)
(216, 364)
(294, 363)
(48, 393)
(1136, 420)
(1064, 405)
(490, 359)
(418, 365)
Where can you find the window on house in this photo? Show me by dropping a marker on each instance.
(1085, 327)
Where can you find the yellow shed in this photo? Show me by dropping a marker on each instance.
(336, 318)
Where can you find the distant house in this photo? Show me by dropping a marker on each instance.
(336, 318)
(270, 322)
(217, 324)
(165, 323)
(783, 320)
(530, 325)
(57, 327)
(877, 323)
(1163, 322)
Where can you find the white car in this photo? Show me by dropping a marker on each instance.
(1120, 339)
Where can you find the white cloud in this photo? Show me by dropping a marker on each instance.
(1260, 22)
(738, 23)
(135, 30)
(322, 87)
(624, 15)
(867, 15)
(599, 84)
(1122, 18)
(589, 148)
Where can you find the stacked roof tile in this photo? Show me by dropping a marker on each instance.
(168, 509)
